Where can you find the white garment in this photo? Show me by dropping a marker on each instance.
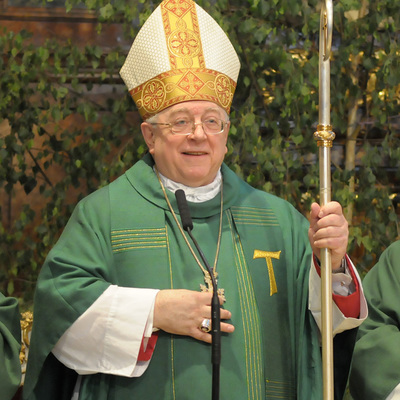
(195, 194)
(395, 395)
(107, 336)
(341, 284)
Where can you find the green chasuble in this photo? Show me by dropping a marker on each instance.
(124, 234)
(375, 371)
(10, 344)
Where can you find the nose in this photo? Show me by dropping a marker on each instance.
(198, 132)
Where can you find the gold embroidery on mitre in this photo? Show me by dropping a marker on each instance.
(184, 44)
(188, 78)
(153, 96)
(176, 86)
(178, 7)
(269, 255)
(223, 90)
(182, 34)
(191, 83)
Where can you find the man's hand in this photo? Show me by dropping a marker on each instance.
(181, 312)
(329, 229)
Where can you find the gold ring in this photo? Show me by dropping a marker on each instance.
(205, 325)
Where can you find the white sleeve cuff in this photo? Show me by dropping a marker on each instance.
(106, 338)
(395, 394)
(340, 322)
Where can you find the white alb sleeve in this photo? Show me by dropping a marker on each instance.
(107, 337)
(395, 394)
(342, 286)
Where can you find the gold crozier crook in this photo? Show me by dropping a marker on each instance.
(324, 137)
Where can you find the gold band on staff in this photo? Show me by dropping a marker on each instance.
(324, 135)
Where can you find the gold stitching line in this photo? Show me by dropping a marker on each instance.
(242, 306)
(257, 209)
(137, 240)
(253, 383)
(255, 356)
(172, 337)
(240, 211)
(138, 230)
(261, 223)
(256, 336)
(143, 247)
(279, 390)
(286, 389)
(138, 245)
(115, 237)
(254, 215)
(169, 257)
(291, 384)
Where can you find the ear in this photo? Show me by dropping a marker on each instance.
(148, 135)
(226, 136)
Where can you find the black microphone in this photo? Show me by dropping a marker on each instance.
(184, 210)
(187, 225)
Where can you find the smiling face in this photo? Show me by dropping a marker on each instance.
(192, 160)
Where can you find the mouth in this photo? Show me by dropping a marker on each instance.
(194, 153)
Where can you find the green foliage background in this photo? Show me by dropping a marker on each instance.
(274, 116)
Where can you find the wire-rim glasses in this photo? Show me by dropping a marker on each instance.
(211, 126)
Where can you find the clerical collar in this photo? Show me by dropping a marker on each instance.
(195, 194)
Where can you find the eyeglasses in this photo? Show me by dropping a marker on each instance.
(211, 126)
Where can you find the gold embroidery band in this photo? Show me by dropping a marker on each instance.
(173, 87)
(182, 33)
(269, 255)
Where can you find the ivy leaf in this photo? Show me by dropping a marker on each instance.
(107, 11)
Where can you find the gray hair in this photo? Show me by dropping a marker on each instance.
(152, 119)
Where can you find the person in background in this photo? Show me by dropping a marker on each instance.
(123, 302)
(375, 371)
(10, 346)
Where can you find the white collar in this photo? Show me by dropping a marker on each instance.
(195, 194)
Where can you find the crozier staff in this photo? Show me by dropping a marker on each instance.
(122, 305)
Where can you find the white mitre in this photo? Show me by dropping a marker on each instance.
(180, 54)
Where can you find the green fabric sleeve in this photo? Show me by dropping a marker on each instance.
(76, 272)
(10, 343)
(376, 362)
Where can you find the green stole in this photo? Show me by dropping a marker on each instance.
(263, 266)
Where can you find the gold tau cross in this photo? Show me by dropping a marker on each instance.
(269, 255)
(208, 287)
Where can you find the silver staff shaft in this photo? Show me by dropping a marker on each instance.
(324, 137)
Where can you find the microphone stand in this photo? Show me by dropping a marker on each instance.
(215, 324)
(215, 306)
